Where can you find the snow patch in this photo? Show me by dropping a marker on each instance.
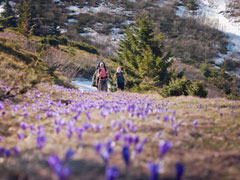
(84, 84)
(72, 20)
(103, 7)
(1, 8)
(114, 37)
(215, 13)
(162, 3)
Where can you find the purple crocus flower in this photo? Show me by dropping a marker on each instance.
(1, 138)
(179, 171)
(127, 140)
(117, 136)
(40, 130)
(128, 123)
(133, 128)
(38, 116)
(123, 130)
(25, 113)
(98, 127)
(97, 147)
(164, 147)
(126, 155)
(195, 124)
(175, 126)
(113, 125)
(165, 118)
(69, 133)
(41, 141)
(2, 151)
(111, 173)
(23, 125)
(57, 128)
(153, 169)
(1, 105)
(63, 172)
(20, 136)
(32, 129)
(136, 140)
(139, 147)
(16, 150)
(174, 112)
(53, 160)
(172, 119)
(3, 113)
(158, 134)
(104, 113)
(221, 114)
(104, 154)
(108, 146)
(88, 115)
(79, 133)
(69, 154)
(76, 116)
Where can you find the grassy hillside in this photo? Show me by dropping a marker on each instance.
(21, 71)
(70, 58)
(201, 134)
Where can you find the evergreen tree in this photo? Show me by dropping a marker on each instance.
(24, 19)
(141, 54)
(7, 10)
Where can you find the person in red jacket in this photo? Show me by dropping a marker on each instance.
(102, 77)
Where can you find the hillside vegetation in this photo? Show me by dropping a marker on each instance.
(70, 58)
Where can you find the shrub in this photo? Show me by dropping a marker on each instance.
(8, 22)
(198, 89)
(84, 46)
(178, 87)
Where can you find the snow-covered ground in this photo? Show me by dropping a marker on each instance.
(103, 7)
(84, 84)
(215, 12)
(1, 8)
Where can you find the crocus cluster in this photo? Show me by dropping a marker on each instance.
(60, 169)
(75, 117)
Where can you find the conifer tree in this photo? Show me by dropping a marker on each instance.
(24, 17)
(142, 55)
(7, 10)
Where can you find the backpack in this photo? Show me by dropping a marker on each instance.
(119, 77)
(94, 79)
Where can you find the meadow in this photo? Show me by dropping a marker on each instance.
(52, 132)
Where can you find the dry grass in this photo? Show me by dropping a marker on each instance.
(70, 61)
(211, 151)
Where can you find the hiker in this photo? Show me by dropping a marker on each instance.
(102, 77)
(120, 78)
